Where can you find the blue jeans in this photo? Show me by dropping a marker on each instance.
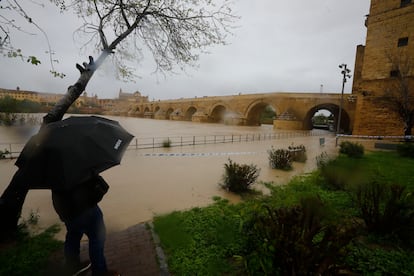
(92, 225)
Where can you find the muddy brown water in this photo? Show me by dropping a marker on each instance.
(160, 180)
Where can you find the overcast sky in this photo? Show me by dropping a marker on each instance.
(280, 46)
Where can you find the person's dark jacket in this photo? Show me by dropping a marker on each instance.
(70, 204)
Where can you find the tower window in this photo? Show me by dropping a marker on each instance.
(405, 3)
(395, 73)
(403, 41)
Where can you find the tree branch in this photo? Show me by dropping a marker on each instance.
(131, 28)
(124, 15)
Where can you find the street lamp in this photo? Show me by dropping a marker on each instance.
(345, 73)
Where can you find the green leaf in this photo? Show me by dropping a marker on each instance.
(33, 60)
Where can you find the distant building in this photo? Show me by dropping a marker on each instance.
(20, 94)
(84, 103)
(124, 103)
(132, 97)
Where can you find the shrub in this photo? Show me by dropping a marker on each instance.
(406, 150)
(298, 153)
(7, 119)
(280, 159)
(354, 150)
(322, 160)
(386, 209)
(166, 143)
(238, 178)
(295, 240)
(335, 177)
(3, 154)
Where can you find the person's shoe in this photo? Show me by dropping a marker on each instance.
(83, 267)
(107, 273)
(112, 273)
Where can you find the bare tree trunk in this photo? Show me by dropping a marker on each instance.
(12, 199)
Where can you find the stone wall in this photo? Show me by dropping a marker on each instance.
(288, 125)
(375, 120)
(383, 34)
(388, 23)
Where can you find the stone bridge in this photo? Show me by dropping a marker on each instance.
(293, 110)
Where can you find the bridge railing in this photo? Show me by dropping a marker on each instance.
(12, 150)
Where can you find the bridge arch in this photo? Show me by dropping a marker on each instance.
(255, 110)
(334, 109)
(218, 112)
(189, 113)
(158, 111)
(134, 109)
(169, 112)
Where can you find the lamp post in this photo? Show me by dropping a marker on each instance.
(345, 74)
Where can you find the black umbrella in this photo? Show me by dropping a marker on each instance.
(66, 153)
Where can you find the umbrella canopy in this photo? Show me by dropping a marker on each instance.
(66, 153)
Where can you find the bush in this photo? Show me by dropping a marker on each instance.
(7, 119)
(280, 159)
(238, 178)
(354, 150)
(298, 153)
(322, 160)
(335, 177)
(166, 143)
(4, 153)
(406, 150)
(295, 240)
(386, 209)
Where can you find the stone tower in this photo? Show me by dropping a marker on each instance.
(388, 55)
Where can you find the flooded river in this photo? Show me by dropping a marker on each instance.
(160, 180)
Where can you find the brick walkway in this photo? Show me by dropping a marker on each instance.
(132, 252)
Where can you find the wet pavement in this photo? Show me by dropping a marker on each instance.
(134, 251)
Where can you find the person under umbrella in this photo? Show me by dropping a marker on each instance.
(76, 150)
(79, 210)
(67, 157)
(33, 163)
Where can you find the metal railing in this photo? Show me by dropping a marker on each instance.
(376, 139)
(179, 141)
(12, 150)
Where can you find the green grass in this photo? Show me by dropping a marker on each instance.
(200, 241)
(394, 168)
(380, 261)
(388, 165)
(210, 240)
(30, 253)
